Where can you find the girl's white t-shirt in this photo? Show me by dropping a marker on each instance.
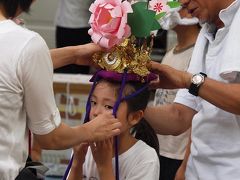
(140, 162)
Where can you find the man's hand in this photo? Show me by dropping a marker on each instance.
(169, 78)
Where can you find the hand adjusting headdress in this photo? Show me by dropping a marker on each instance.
(125, 29)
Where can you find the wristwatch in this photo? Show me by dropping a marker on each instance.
(196, 81)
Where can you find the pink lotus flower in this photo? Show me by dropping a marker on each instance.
(159, 6)
(109, 22)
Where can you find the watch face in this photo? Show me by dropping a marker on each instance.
(197, 79)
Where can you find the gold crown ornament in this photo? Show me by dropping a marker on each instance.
(127, 56)
(126, 30)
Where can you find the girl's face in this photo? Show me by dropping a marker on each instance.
(103, 99)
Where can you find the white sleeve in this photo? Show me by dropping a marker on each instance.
(230, 65)
(36, 73)
(185, 98)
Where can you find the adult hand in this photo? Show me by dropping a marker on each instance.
(169, 78)
(85, 52)
(103, 127)
(80, 55)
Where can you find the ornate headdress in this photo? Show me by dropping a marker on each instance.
(126, 30)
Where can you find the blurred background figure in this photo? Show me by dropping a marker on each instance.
(72, 29)
(172, 148)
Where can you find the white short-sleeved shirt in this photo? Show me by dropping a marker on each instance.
(173, 147)
(140, 162)
(73, 13)
(215, 149)
(26, 94)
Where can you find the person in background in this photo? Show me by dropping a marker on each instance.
(26, 93)
(172, 148)
(72, 29)
(209, 98)
(137, 158)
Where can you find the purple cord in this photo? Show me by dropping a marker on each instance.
(68, 168)
(135, 93)
(115, 108)
(88, 105)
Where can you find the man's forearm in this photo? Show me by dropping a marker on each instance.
(171, 119)
(223, 95)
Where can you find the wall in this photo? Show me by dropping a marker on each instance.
(41, 19)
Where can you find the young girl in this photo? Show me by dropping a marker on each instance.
(137, 160)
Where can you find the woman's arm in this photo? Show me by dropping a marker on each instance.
(102, 127)
(80, 55)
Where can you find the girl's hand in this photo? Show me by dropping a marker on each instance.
(80, 152)
(102, 152)
(78, 160)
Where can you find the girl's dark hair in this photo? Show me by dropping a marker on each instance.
(11, 6)
(143, 129)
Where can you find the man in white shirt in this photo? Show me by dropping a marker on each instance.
(210, 103)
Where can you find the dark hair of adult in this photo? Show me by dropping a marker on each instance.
(11, 7)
